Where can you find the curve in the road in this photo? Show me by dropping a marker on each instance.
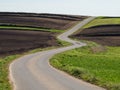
(33, 72)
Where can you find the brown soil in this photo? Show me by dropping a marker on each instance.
(16, 41)
(106, 35)
(53, 21)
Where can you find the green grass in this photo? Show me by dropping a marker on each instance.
(63, 43)
(4, 63)
(29, 28)
(101, 68)
(102, 21)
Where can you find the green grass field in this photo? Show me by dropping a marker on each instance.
(29, 28)
(101, 68)
(102, 21)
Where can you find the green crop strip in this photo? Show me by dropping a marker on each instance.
(30, 28)
(103, 21)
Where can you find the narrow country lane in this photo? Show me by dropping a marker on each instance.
(33, 72)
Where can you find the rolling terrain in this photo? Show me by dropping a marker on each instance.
(98, 62)
(20, 32)
(33, 72)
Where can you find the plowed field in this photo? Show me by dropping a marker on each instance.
(105, 34)
(17, 40)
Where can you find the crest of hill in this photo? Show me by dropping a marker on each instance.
(45, 15)
(44, 20)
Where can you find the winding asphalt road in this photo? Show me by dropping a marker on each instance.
(33, 72)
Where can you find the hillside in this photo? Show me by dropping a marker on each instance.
(20, 32)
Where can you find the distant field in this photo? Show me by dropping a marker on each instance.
(102, 30)
(103, 21)
(101, 68)
(104, 34)
(52, 21)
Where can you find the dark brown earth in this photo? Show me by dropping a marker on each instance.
(106, 35)
(16, 41)
(53, 21)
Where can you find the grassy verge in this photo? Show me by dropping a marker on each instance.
(63, 43)
(29, 28)
(4, 63)
(103, 21)
(98, 67)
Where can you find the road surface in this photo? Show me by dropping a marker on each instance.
(33, 72)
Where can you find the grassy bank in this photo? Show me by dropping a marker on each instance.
(103, 21)
(4, 63)
(98, 67)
